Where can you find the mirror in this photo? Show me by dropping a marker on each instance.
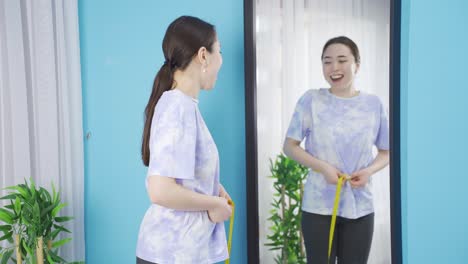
(283, 49)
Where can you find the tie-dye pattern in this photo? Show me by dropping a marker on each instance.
(342, 132)
(181, 147)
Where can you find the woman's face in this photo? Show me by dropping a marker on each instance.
(213, 64)
(339, 66)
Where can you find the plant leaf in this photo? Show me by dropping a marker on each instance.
(56, 258)
(32, 188)
(57, 209)
(5, 228)
(47, 194)
(36, 212)
(7, 236)
(61, 219)
(10, 196)
(20, 189)
(28, 249)
(61, 242)
(47, 210)
(49, 258)
(54, 234)
(6, 216)
(54, 193)
(62, 228)
(7, 256)
(17, 206)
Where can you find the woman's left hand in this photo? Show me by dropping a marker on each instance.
(360, 178)
(223, 193)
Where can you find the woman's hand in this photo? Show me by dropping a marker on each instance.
(223, 193)
(330, 173)
(221, 211)
(360, 178)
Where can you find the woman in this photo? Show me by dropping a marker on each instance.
(341, 125)
(184, 224)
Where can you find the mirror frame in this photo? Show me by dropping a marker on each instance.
(251, 132)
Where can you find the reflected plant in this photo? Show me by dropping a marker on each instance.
(289, 177)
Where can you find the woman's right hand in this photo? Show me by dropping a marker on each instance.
(330, 173)
(221, 211)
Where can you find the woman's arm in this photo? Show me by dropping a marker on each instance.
(361, 177)
(293, 150)
(381, 161)
(166, 192)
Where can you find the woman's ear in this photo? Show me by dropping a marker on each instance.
(357, 68)
(202, 56)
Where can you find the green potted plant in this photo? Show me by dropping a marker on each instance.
(286, 215)
(31, 223)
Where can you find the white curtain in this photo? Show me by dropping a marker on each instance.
(289, 39)
(41, 106)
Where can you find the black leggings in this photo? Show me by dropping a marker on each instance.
(351, 243)
(141, 261)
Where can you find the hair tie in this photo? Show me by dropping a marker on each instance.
(170, 63)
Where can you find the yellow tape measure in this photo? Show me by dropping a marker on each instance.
(231, 227)
(341, 180)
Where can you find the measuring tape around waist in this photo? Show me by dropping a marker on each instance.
(231, 227)
(341, 181)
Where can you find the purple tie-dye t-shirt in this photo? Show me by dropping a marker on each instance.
(181, 147)
(342, 132)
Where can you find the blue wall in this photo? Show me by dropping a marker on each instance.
(434, 131)
(120, 54)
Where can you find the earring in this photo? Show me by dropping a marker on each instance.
(204, 70)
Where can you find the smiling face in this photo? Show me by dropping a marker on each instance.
(339, 66)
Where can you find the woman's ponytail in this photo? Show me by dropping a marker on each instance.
(162, 82)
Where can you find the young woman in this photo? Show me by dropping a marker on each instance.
(184, 224)
(340, 125)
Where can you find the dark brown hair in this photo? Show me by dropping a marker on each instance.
(183, 38)
(348, 43)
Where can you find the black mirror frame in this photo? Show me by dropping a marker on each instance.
(251, 132)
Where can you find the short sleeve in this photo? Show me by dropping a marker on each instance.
(382, 139)
(173, 142)
(301, 121)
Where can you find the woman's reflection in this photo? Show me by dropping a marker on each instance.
(340, 125)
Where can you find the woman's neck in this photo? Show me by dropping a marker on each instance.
(345, 92)
(186, 83)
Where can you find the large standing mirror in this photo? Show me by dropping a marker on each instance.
(283, 48)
